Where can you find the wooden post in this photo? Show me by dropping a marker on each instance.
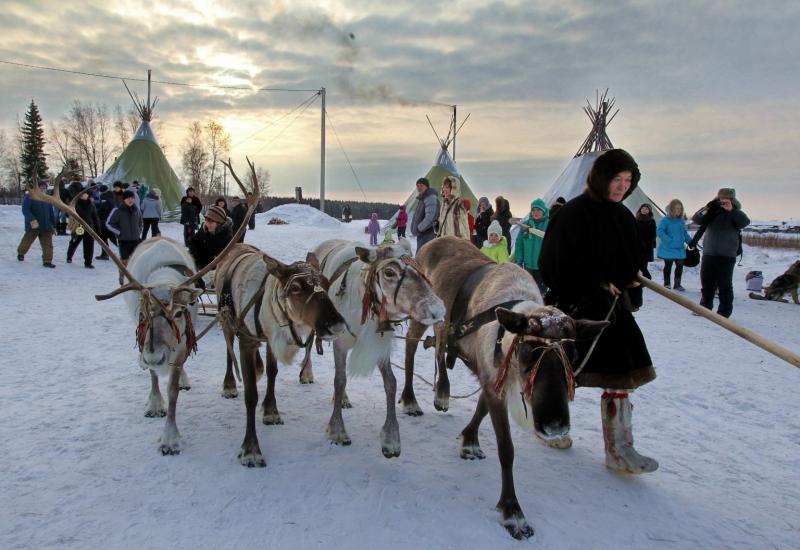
(749, 335)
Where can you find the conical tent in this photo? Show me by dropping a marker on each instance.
(443, 166)
(143, 160)
(572, 180)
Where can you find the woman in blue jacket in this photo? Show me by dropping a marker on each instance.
(672, 235)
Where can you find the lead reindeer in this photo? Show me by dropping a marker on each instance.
(262, 300)
(162, 299)
(374, 289)
(519, 349)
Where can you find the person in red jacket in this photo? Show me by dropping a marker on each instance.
(470, 218)
(402, 221)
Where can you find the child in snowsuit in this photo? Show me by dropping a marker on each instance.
(374, 227)
(495, 246)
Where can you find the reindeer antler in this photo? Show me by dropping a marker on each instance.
(252, 201)
(55, 200)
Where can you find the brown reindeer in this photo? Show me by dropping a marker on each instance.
(519, 349)
(162, 298)
(264, 300)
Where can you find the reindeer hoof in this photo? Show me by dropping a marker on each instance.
(411, 408)
(272, 419)
(519, 529)
(346, 404)
(230, 393)
(252, 459)
(170, 449)
(441, 404)
(471, 452)
(155, 413)
(306, 379)
(185, 387)
(390, 453)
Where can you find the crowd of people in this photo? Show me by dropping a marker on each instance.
(124, 216)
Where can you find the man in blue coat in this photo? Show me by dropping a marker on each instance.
(40, 222)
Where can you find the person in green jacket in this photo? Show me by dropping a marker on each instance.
(528, 245)
(495, 246)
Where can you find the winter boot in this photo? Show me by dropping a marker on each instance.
(678, 286)
(615, 410)
(666, 282)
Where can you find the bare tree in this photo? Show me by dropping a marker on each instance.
(263, 176)
(90, 129)
(10, 165)
(125, 125)
(194, 159)
(218, 145)
(60, 141)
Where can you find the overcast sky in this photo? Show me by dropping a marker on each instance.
(707, 90)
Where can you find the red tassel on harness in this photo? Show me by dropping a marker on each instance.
(502, 372)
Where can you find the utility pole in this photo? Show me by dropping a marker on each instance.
(322, 156)
(454, 133)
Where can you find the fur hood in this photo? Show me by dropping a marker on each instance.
(455, 183)
(608, 165)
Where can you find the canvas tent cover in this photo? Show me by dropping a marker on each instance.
(143, 160)
(572, 182)
(443, 166)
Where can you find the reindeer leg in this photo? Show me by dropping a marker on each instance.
(513, 519)
(229, 390)
(407, 399)
(336, 431)
(184, 383)
(269, 407)
(441, 398)
(250, 453)
(306, 373)
(155, 403)
(470, 446)
(390, 434)
(170, 440)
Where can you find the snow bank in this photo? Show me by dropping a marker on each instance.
(299, 214)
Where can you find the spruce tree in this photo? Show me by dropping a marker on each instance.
(33, 145)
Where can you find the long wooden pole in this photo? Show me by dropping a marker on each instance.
(749, 335)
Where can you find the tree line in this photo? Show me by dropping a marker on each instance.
(361, 210)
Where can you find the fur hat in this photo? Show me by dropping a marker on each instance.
(484, 200)
(729, 193)
(608, 165)
(128, 195)
(216, 214)
(495, 229)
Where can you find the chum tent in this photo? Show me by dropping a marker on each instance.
(143, 160)
(572, 180)
(444, 165)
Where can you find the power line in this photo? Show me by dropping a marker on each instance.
(166, 82)
(272, 123)
(308, 103)
(345, 155)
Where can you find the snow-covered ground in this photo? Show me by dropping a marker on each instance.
(80, 467)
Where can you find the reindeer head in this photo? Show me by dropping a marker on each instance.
(303, 293)
(396, 287)
(538, 350)
(165, 329)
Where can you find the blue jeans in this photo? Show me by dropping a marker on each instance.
(425, 237)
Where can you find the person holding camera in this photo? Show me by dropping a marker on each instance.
(724, 220)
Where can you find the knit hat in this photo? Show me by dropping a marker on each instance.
(608, 165)
(424, 181)
(128, 195)
(103, 188)
(495, 229)
(485, 201)
(216, 214)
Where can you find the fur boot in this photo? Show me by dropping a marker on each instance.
(615, 410)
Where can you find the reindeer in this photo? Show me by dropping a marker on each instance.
(263, 300)
(519, 349)
(162, 298)
(374, 289)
